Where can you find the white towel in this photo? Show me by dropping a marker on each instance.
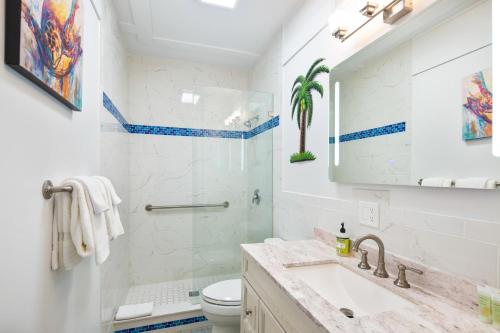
(64, 254)
(115, 198)
(98, 220)
(134, 311)
(82, 232)
(113, 221)
(437, 182)
(477, 183)
(93, 188)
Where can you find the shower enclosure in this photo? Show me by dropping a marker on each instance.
(234, 171)
(226, 156)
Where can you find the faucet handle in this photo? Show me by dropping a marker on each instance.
(363, 264)
(401, 280)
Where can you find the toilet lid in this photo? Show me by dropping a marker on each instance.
(223, 293)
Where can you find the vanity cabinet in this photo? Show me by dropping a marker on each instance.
(256, 317)
(267, 322)
(266, 308)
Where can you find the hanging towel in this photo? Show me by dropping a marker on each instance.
(113, 221)
(82, 232)
(477, 183)
(134, 311)
(437, 182)
(64, 254)
(93, 188)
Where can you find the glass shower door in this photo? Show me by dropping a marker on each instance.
(233, 164)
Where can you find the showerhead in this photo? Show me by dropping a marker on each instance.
(250, 122)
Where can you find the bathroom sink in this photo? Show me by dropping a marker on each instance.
(347, 290)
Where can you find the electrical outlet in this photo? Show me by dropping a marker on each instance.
(369, 214)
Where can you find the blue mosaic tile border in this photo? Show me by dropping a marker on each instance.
(108, 104)
(373, 132)
(188, 132)
(168, 324)
(179, 131)
(270, 124)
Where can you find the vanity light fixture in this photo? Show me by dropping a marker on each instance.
(369, 9)
(221, 3)
(393, 11)
(340, 33)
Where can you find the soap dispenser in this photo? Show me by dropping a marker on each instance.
(343, 242)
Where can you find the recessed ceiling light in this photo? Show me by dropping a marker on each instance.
(221, 3)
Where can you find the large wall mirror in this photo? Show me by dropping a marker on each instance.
(415, 107)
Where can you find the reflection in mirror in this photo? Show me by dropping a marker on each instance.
(415, 107)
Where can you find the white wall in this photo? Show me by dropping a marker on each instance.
(41, 139)
(455, 230)
(496, 75)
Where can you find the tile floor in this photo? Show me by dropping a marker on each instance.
(172, 292)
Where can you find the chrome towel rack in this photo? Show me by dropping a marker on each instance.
(151, 208)
(421, 180)
(48, 189)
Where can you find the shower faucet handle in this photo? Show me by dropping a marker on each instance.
(256, 197)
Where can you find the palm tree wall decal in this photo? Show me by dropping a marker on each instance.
(303, 106)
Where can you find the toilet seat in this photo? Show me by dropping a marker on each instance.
(224, 293)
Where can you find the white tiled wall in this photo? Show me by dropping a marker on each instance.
(156, 86)
(174, 245)
(167, 170)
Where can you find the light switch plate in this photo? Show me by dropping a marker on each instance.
(369, 214)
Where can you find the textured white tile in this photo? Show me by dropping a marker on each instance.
(484, 231)
(450, 225)
(464, 257)
(157, 85)
(173, 245)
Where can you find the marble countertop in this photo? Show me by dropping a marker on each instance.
(432, 312)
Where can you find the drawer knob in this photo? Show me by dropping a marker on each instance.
(248, 312)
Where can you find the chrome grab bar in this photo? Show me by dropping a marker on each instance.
(150, 208)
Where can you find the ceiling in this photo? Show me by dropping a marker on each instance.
(192, 30)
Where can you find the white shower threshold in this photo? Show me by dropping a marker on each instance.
(171, 303)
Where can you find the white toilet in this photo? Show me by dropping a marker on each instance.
(221, 304)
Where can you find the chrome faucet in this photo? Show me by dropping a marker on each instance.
(380, 270)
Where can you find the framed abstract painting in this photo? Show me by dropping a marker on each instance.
(43, 42)
(477, 106)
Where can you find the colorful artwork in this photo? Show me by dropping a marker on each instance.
(477, 106)
(44, 43)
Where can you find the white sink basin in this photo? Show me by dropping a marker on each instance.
(346, 289)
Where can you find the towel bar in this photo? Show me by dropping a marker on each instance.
(150, 208)
(49, 189)
(421, 180)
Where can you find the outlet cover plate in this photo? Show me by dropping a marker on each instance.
(369, 214)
